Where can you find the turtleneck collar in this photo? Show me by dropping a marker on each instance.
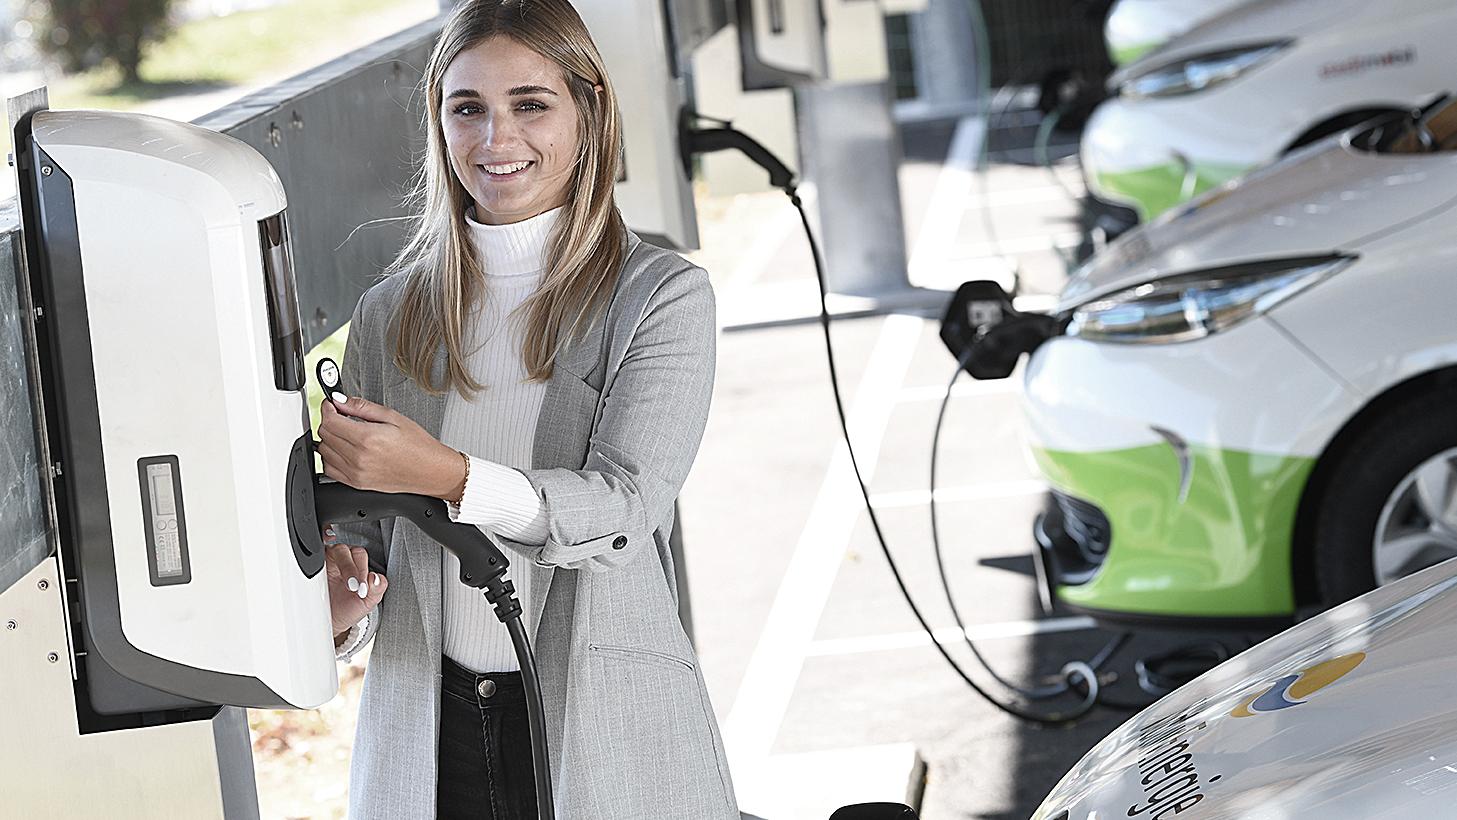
(515, 249)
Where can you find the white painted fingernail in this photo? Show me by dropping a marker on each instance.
(340, 397)
(353, 584)
(363, 591)
(375, 576)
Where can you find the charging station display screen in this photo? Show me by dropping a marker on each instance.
(283, 319)
(167, 555)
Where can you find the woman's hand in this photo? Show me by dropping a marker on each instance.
(353, 589)
(371, 447)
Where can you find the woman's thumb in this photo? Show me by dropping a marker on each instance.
(361, 409)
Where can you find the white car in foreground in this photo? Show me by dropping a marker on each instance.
(1255, 82)
(1349, 716)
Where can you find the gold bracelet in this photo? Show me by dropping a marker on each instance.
(463, 481)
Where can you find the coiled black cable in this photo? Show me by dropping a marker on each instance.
(1035, 693)
(1078, 675)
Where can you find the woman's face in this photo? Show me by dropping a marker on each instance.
(505, 105)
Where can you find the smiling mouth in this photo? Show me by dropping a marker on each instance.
(519, 167)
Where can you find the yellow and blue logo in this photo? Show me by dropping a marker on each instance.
(1293, 690)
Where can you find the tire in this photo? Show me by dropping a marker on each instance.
(1362, 495)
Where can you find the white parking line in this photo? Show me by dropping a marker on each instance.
(948, 636)
(971, 492)
(948, 201)
(773, 670)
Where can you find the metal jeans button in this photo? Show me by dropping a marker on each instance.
(486, 688)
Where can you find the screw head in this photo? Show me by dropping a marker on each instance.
(45, 170)
(53, 657)
(11, 625)
(44, 584)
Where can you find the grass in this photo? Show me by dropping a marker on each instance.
(241, 49)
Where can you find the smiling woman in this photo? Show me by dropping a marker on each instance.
(565, 436)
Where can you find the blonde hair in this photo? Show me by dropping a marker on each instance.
(585, 249)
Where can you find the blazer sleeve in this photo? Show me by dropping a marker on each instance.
(360, 374)
(644, 444)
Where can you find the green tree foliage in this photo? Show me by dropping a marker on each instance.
(84, 34)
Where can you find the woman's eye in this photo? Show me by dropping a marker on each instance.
(467, 109)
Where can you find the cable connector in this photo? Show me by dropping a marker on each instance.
(693, 140)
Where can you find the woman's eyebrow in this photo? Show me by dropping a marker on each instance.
(514, 92)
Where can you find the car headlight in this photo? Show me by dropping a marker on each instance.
(1200, 72)
(1194, 305)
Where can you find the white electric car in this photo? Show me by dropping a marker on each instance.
(1136, 27)
(1249, 406)
(1348, 716)
(1250, 85)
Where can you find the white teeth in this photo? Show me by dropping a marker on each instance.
(505, 169)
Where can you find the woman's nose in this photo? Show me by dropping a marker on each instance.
(499, 131)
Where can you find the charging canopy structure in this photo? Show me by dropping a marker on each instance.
(781, 43)
(653, 188)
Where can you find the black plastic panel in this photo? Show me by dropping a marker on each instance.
(282, 300)
(165, 520)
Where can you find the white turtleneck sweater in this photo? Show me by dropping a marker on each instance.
(496, 430)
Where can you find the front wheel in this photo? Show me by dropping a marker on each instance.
(1390, 508)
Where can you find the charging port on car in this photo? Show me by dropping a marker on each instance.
(987, 334)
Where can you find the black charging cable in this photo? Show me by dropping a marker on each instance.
(482, 565)
(1157, 674)
(1078, 675)
(1035, 693)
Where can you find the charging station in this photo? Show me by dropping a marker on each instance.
(145, 237)
(166, 374)
(177, 576)
(181, 575)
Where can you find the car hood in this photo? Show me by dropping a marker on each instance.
(1350, 714)
(1250, 23)
(1330, 197)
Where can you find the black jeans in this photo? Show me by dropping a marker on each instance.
(484, 757)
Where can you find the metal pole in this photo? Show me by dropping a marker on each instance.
(850, 149)
(943, 40)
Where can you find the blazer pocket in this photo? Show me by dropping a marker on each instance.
(585, 372)
(636, 655)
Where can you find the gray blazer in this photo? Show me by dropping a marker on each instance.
(630, 727)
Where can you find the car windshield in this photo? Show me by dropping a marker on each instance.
(1426, 130)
